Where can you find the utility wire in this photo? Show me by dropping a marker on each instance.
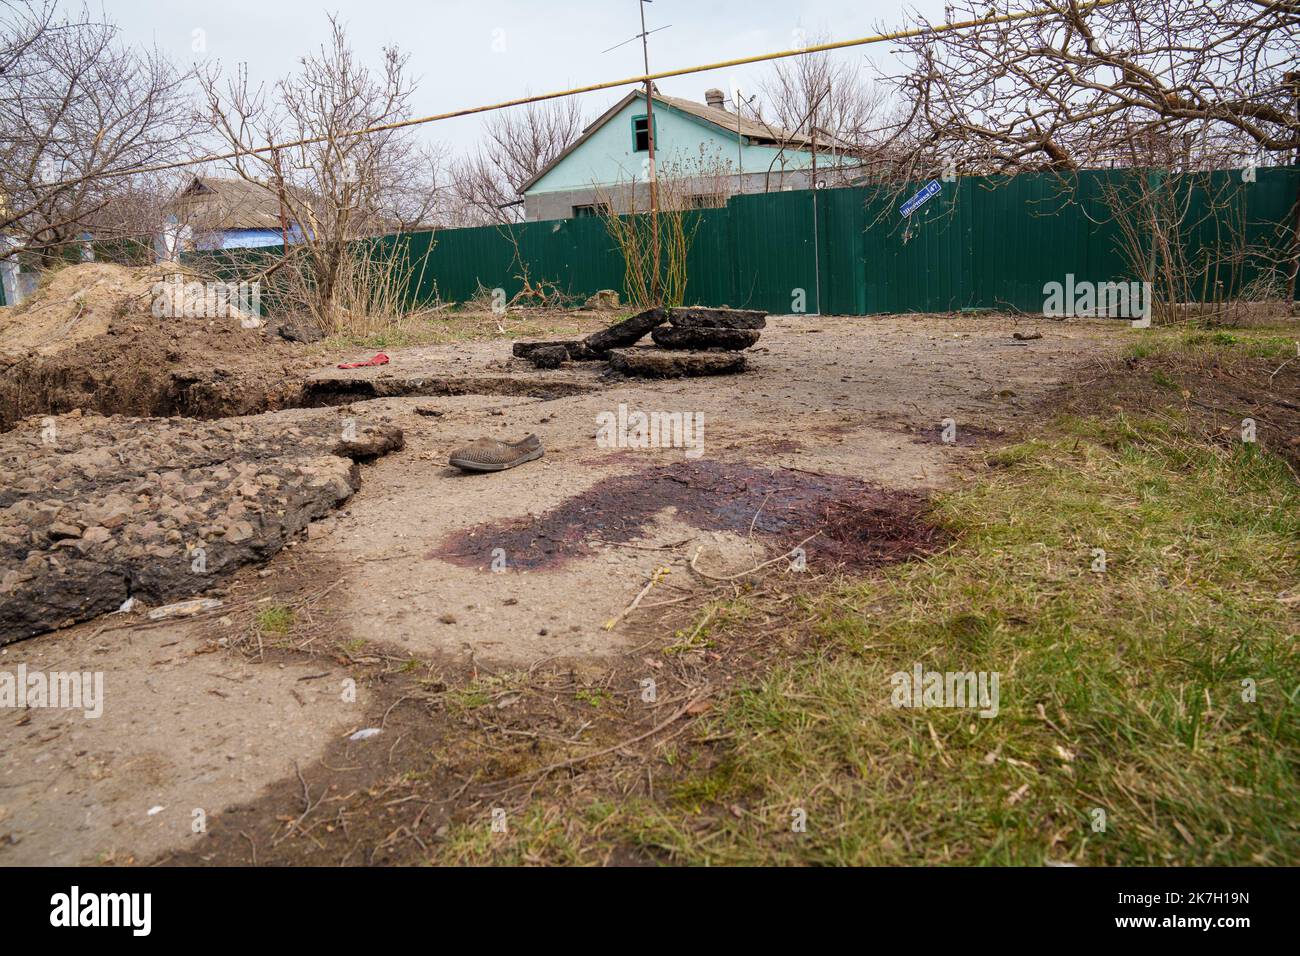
(929, 30)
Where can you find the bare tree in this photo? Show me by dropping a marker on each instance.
(22, 24)
(334, 186)
(1083, 86)
(824, 99)
(1173, 86)
(79, 112)
(518, 144)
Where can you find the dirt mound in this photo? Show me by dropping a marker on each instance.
(72, 304)
(97, 510)
(90, 339)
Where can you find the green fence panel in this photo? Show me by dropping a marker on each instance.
(1028, 230)
(915, 263)
(842, 251)
(982, 242)
(774, 248)
(462, 261)
(126, 252)
(1103, 256)
(710, 265)
(1270, 224)
(576, 255)
(1237, 227)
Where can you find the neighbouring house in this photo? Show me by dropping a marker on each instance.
(14, 284)
(703, 154)
(18, 281)
(221, 213)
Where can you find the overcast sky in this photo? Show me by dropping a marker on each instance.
(469, 52)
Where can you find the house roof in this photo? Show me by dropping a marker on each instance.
(229, 203)
(755, 132)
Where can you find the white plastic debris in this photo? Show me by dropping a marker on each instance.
(367, 733)
(184, 608)
(154, 811)
(127, 605)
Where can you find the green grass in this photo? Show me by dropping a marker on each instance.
(593, 698)
(275, 619)
(1277, 341)
(1120, 692)
(404, 336)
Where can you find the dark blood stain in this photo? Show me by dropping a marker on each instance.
(858, 525)
(771, 446)
(966, 435)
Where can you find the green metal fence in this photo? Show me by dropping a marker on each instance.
(981, 243)
(993, 243)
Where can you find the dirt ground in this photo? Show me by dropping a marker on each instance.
(95, 337)
(404, 571)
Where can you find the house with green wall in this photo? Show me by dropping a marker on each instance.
(704, 153)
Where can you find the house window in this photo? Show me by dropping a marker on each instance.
(590, 209)
(641, 134)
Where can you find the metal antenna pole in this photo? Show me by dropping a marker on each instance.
(650, 142)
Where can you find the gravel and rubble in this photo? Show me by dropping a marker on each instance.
(96, 510)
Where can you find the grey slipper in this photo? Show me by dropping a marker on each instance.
(488, 454)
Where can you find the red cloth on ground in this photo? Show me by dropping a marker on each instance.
(379, 358)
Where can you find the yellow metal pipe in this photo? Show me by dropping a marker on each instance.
(613, 84)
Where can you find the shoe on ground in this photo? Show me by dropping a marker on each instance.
(488, 454)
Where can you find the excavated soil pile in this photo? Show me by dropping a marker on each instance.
(96, 510)
(696, 341)
(89, 339)
(855, 524)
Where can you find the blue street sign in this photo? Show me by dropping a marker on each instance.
(931, 189)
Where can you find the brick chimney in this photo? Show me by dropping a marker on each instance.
(714, 98)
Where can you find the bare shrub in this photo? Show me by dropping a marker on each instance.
(335, 186)
(683, 186)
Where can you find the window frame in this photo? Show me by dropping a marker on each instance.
(649, 126)
(591, 210)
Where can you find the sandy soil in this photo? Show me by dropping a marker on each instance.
(165, 753)
(859, 397)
